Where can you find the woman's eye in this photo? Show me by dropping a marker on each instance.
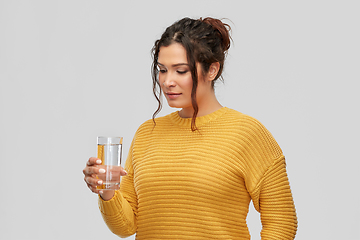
(182, 72)
(162, 70)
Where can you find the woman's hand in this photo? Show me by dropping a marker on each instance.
(91, 171)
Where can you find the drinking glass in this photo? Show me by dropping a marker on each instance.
(109, 151)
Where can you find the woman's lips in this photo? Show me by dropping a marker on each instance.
(172, 95)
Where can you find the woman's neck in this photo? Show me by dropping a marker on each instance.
(204, 109)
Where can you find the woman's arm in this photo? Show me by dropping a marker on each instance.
(119, 213)
(275, 203)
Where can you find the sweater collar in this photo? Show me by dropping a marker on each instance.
(200, 121)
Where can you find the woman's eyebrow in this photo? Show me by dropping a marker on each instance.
(174, 65)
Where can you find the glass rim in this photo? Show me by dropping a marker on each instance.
(102, 140)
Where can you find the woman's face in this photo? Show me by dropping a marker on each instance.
(175, 77)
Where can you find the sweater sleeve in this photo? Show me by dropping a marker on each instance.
(119, 213)
(268, 185)
(273, 199)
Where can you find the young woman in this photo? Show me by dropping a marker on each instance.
(192, 174)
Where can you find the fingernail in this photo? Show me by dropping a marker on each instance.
(99, 182)
(101, 192)
(101, 170)
(98, 161)
(125, 172)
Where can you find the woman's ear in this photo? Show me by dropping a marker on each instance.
(213, 71)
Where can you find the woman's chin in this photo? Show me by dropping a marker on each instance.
(172, 104)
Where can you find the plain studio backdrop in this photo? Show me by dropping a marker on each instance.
(73, 70)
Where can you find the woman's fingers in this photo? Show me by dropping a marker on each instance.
(123, 172)
(94, 189)
(95, 174)
(93, 161)
(88, 171)
(91, 171)
(91, 166)
(93, 181)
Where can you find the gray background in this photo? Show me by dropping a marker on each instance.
(73, 70)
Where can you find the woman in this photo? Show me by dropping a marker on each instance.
(193, 173)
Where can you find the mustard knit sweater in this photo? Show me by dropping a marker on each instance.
(198, 185)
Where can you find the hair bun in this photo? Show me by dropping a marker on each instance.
(223, 30)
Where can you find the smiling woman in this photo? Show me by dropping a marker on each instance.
(192, 174)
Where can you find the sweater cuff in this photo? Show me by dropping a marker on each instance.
(112, 206)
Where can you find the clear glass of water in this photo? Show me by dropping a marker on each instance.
(109, 151)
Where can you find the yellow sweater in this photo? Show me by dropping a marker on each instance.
(198, 185)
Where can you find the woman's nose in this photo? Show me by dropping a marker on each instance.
(169, 81)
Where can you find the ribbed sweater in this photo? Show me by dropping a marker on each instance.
(184, 184)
